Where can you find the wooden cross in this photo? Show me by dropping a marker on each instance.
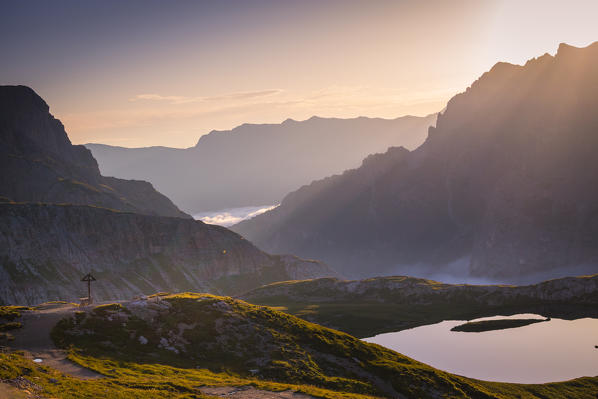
(89, 278)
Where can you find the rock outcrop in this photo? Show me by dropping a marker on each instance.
(416, 291)
(46, 249)
(258, 164)
(504, 187)
(39, 163)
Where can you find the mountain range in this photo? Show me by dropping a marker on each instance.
(60, 219)
(504, 187)
(257, 164)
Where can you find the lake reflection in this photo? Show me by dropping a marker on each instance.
(556, 350)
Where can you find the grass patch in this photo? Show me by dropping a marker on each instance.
(129, 380)
(106, 310)
(12, 325)
(11, 313)
(159, 294)
(7, 316)
(368, 319)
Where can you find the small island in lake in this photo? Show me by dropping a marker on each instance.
(500, 324)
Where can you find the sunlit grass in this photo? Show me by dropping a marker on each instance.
(309, 358)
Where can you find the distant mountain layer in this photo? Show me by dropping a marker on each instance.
(504, 186)
(259, 164)
(46, 249)
(39, 163)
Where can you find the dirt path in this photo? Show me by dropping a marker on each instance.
(7, 391)
(248, 392)
(34, 339)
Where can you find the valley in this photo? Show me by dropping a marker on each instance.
(298, 200)
(230, 216)
(259, 164)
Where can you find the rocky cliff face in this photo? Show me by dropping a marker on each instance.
(46, 249)
(39, 163)
(259, 164)
(503, 188)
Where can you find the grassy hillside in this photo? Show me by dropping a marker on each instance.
(8, 315)
(183, 341)
(130, 380)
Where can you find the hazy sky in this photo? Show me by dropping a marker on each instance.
(138, 73)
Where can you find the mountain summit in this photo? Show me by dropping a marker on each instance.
(38, 163)
(504, 186)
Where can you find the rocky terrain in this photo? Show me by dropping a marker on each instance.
(45, 249)
(503, 188)
(416, 291)
(38, 163)
(257, 164)
(367, 307)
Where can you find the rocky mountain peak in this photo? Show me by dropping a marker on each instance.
(39, 163)
(20, 98)
(503, 187)
(27, 125)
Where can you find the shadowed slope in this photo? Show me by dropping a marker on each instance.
(503, 188)
(46, 249)
(39, 163)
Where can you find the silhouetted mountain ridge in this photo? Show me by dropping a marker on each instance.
(257, 164)
(503, 188)
(39, 163)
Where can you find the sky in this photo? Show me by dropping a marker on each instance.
(145, 72)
